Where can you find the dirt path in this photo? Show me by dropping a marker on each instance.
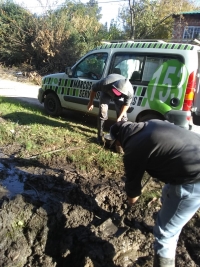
(24, 91)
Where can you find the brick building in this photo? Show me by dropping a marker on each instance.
(186, 26)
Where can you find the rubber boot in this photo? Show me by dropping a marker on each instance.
(100, 127)
(163, 262)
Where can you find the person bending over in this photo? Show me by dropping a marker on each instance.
(172, 155)
(117, 88)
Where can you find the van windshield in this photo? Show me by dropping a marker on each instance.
(91, 67)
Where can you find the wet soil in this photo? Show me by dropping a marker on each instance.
(53, 215)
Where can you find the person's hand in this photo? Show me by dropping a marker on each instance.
(90, 106)
(131, 201)
(119, 118)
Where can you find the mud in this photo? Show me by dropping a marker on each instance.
(52, 215)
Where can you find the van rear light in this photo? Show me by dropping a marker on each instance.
(188, 118)
(189, 94)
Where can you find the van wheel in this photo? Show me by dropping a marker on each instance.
(52, 105)
(148, 117)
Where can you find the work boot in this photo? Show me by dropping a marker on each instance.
(100, 127)
(100, 140)
(163, 262)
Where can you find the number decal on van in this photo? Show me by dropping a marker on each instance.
(168, 82)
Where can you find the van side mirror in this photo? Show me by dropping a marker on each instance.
(68, 71)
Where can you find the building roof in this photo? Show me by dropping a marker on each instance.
(190, 12)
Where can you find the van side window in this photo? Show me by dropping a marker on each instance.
(138, 68)
(126, 64)
(150, 66)
(91, 67)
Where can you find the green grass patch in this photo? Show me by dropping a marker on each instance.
(36, 134)
(150, 194)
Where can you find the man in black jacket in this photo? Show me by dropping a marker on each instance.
(117, 88)
(172, 155)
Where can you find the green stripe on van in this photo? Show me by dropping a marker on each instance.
(139, 90)
(154, 45)
(144, 101)
(189, 47)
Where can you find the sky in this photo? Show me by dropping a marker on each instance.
(109, 7)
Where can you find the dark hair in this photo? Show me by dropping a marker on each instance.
(114, 129)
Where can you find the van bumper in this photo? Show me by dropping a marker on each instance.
(41, 95)
(179, 117)
(196, 118)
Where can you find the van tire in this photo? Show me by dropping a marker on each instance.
(148, 117)
(52, 105)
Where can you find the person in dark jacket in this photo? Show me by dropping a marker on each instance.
(117, 88)
(172, 155)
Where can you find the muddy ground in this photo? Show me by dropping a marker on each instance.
(52, 215)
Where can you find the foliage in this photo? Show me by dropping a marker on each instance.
(15, 33)
(113, 33)
(49, 41)
(153, 19)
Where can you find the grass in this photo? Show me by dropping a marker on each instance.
(41, 136)
(150, 194)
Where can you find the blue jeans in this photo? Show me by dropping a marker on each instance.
(179, 204)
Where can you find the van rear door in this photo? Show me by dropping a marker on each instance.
(196, 105)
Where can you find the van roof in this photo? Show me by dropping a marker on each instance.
(152, 45)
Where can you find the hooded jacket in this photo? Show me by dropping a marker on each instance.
(165, 151)
(117, 81)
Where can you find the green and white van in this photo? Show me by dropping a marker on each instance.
(165, 79)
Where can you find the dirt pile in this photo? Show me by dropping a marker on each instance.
(66, 218)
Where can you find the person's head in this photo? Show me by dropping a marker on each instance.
(121, 131)
(121, 87)
(114, 130)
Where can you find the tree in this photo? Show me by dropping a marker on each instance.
(16, 32)
(152, 19)
(113, 33)
(67, 33)
(51, 40)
